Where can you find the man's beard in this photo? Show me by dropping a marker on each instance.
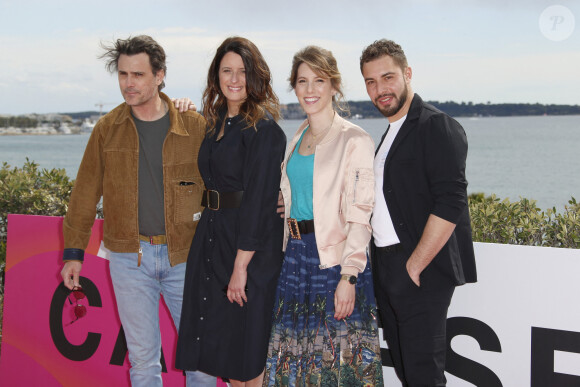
(392, 110)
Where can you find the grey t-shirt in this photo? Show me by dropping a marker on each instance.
(151, 199)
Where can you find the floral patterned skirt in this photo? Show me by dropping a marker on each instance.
(308, 347)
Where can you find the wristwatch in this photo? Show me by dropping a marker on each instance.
(350, 278)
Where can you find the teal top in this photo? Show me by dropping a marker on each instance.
(300, 171)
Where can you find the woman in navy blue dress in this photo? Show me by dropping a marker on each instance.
(236, 253)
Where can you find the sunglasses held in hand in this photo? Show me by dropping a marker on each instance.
(79, 310)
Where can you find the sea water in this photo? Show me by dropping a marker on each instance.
(533, 157)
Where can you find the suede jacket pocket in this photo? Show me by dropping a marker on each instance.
(187, 204)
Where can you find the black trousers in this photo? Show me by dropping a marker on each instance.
(414, 320)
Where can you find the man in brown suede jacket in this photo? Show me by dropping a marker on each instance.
(142, 160)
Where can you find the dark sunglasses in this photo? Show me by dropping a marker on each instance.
(79, 309)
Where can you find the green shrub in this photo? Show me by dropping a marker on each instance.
(523, 223)
(30, 190)
(33, 191)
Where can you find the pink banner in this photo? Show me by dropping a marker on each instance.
(40, 346)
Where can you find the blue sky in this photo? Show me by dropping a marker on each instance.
(475, 51)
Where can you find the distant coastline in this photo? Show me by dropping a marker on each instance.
(366, 109)
(83, 122)
(46, 124)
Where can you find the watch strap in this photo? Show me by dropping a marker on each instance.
(350, 278)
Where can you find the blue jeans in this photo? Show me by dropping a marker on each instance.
(138, 290)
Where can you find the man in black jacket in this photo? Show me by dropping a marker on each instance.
(422, 246)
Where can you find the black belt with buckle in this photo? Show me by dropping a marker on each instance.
(215, 200)
(298, 228)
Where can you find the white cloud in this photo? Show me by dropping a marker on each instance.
(463, 51)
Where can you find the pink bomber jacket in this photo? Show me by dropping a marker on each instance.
(343, 195)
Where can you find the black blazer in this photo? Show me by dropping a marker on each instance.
(425, 174)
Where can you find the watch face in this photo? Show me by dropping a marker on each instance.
(352, 279)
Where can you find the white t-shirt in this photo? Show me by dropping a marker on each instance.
(381, 222)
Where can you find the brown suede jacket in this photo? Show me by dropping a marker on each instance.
(109, 169)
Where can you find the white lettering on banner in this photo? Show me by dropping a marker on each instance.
(519, 325)
(567, 363)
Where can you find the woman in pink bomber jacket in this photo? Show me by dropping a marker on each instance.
(324, 320)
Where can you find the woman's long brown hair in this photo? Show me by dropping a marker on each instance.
(260, 100)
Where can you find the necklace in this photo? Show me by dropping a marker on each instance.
(316, 138)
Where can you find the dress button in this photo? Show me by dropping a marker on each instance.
(210, 239)
(207, 278)
(205, 298)
(201, 318)
(197, 339)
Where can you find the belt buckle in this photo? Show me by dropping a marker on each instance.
(153, 239)
(294, 230)
(156, 240)
(208, 195)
